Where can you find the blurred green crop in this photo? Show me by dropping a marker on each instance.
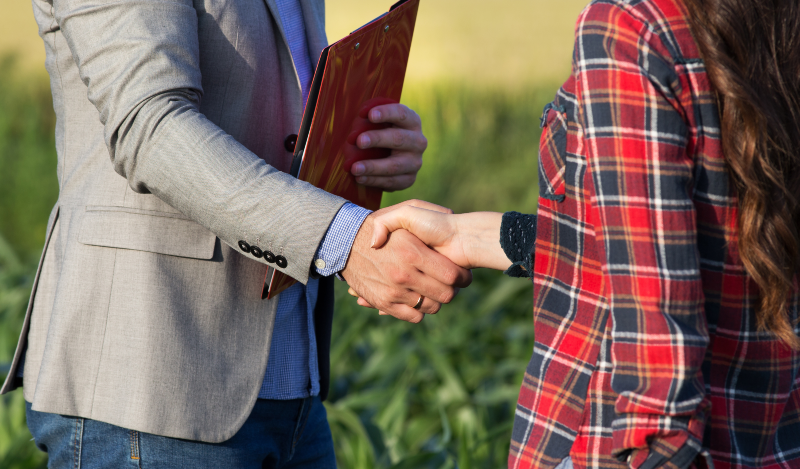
(28, 184)
(28, 189)
(436, 395)
(16, 449)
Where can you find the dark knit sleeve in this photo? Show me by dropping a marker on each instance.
(517, 238)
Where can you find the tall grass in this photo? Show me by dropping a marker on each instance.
(440, 394)
(436, 395)
(28, 189)
(483, 145)
(28, 184)
(16, 449)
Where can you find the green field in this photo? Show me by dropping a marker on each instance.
(436, 395)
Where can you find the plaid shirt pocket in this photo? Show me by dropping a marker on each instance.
(553, 153)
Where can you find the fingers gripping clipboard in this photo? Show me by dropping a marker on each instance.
(364, 69)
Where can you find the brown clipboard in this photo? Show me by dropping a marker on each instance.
(362, 70)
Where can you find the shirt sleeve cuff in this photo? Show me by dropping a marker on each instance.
(661, 455)
(654, 441)
(518, 238)
(334, 250)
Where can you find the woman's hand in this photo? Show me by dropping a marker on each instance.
(433, 225)
(470, 240)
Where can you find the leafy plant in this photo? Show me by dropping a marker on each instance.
(16, 448)
(28, 184)
(434, 395)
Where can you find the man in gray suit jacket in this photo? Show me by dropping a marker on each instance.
(146, 341)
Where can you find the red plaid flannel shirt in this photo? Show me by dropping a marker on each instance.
(647, 352)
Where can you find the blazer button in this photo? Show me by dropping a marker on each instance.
(269, 257)
(290, 142)
(256, 252)
(281, 262)
(244, 246)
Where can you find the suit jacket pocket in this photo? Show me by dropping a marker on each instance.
(553, 153)
(145, 230)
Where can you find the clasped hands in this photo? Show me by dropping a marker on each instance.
(415, 250)
(426, 250)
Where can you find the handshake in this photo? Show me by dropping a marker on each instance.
(410, 258)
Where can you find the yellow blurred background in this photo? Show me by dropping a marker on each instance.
(498, 42)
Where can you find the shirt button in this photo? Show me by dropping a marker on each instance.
(319, 263)
(290, 142)
(244, 246)
(256, 252)
(269, 257)
(281, 262)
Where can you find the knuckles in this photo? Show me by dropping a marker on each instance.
(408, 256)
(447, 296)
(395, 167)
(392, 183)
(450, 276)
(416, 165)
(416, 319)
(398, 139)
(399, 276)
(387, 303)
(402, 115)
(423, 142)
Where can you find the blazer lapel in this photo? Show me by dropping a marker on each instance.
(314, 21)
(314, 17)
(273, 9)
(272, 6)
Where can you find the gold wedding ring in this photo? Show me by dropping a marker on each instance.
(419, 302)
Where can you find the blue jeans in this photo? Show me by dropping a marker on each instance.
(278, 434)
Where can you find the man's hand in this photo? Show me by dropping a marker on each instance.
(399, 170)
(393, 277)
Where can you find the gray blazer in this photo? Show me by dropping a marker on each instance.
(171, 120)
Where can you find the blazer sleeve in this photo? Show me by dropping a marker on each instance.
(636, 144)
(140, 62)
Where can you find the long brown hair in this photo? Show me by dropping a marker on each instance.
(751, 50)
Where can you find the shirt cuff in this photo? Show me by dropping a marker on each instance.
(655, 441)
(334, 250)
(518, 238)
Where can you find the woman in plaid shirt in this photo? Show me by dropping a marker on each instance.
(665, 294)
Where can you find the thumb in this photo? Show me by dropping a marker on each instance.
(426, 205)
(386, 223)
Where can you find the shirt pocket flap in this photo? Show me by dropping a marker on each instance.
(143, 230)
(553, 153)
